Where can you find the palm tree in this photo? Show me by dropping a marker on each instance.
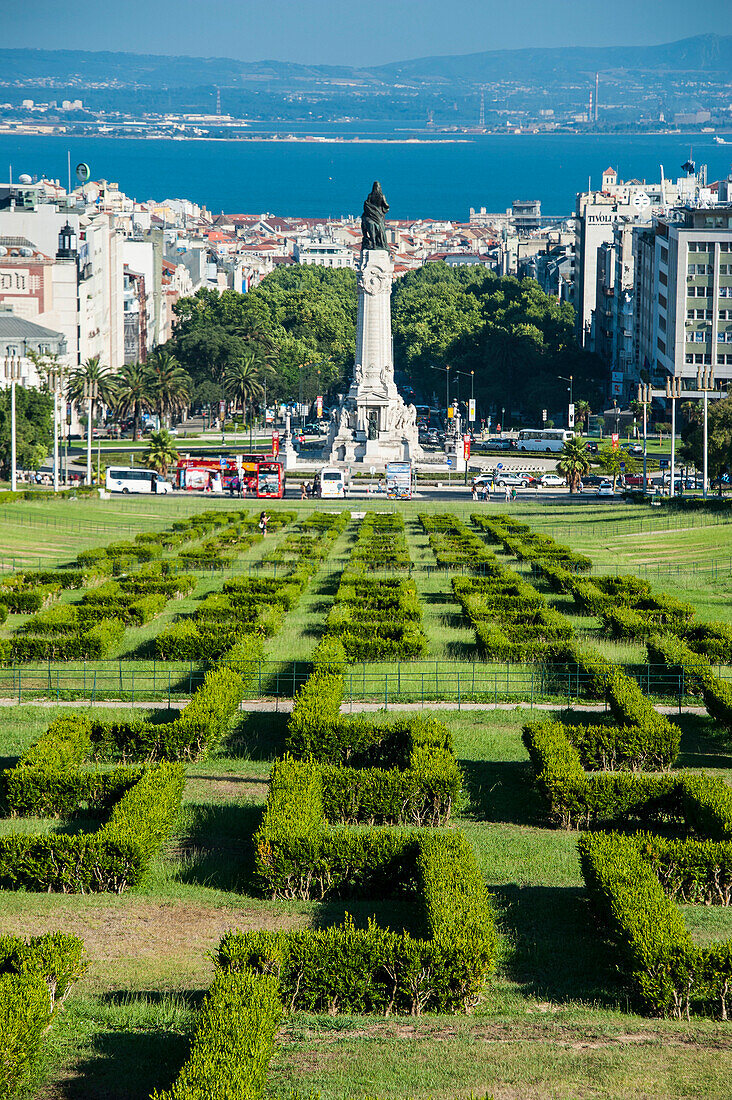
(573, 462)
(582, 412)
(243, 381)
(161, 452)
(169, 386)
(132, 393)
(91, 373)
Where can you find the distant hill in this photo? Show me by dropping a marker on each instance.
(705, 53)
(709, 54)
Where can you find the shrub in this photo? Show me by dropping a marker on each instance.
(35, 979)
(233, 1041)
(344, 969)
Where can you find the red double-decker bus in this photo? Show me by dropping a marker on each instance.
(259, 475)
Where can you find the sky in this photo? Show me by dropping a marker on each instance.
(351, 32)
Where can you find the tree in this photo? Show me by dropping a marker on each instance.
(719, 440)
(91, 373)
(161, 452)
(243, 381)
(582, 412)
(132, 394)
(573, 462)
(33, 428)
(611, 459)
(169, 386)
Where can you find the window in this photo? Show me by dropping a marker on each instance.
(662, 323)
(664, 254)
(689, 358)
(661, 346)
(698, 358)
(662, 301)
(663, 280)
(690, 313)
(725, 292)
(725, 269)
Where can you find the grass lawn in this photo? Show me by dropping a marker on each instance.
(556, 1023)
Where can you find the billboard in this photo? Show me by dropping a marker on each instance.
(399, 480)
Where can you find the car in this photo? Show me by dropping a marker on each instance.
(513, 481)
(634, 481)
(433, 436)
(593, 448)
(633, 448)
(593, 481)
(499, 444)
(605, 489)
(552, 481)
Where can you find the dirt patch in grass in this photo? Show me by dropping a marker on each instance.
(225, 789)
(136, 944)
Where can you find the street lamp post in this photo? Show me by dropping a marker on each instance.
(55, 380)
(644, 396)
(570, 379)
(91, 392)
(12, 374)
(673, 392)
(705, 383)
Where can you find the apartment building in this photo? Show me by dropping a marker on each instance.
(692, 294)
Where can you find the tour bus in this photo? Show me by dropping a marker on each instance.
(260, 476)
(126, 479)
(542, 439)
(330, 483)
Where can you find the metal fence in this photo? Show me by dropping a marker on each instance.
(421, 682)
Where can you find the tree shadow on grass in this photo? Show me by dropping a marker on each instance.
(700, 747)
(556, 951)
(218, 851)
(461, 651)
(259, 735)
(124, 1065)
(501, 790)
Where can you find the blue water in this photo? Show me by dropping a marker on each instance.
(428, 180)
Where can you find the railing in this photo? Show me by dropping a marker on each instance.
(422, 682)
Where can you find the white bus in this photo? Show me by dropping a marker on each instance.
(126, 479)
(542, 439)
(331, 482)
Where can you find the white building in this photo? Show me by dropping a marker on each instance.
(692, 301)
(323, 252)
(599, 212)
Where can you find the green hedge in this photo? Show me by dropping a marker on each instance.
(36, 976)
(97, 641)
(698, 674)
(576, 798)
(199, 727)
(442, 968)
(112, 859)
(667, 972)
(233, 1041)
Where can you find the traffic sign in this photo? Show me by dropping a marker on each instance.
(615, 440)
(499, 465)
(471, 410)
(449, 462)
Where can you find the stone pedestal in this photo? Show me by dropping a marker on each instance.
(372, 425)
(288, 454)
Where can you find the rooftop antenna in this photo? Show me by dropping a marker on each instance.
(68, 164)
(597, 93)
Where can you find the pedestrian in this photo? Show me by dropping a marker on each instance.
(303, 491)
(474, 490)
(508, 495)
(263, 521)
(513, 494)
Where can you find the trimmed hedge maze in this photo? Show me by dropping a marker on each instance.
(252, 608)
(376, 618)
(139, 583)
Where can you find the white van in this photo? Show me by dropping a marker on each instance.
(126, 479)
(331, 483)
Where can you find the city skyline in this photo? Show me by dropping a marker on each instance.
(331, 32)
